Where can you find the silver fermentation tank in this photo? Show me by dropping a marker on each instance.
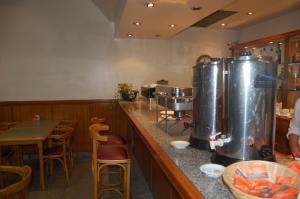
(249, 85)
(207, 92)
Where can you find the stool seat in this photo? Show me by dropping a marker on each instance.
(112, 153)
(114, 140)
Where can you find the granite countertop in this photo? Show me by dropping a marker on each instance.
(188, 160)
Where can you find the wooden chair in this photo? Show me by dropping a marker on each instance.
(8, 153)
(58, 148)
(73, 124)
(111, 139)
(20, 188)
(105, 157)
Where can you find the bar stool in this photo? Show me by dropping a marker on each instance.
(105, 157)
(111, 139)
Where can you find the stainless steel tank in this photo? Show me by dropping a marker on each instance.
(251, 93)
(207, 91)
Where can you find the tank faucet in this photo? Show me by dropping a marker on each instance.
(218, 142)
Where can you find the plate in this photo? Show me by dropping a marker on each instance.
(212, 170)
(180, 144)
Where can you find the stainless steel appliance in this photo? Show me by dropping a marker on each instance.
(207, 92)
(177, 99)
(248, 109)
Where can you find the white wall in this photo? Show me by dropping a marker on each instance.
(64, 49)
(277, 25)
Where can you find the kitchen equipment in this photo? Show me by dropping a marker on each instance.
(148, 90)
(177, 99)
(207, 92)
(246, 124)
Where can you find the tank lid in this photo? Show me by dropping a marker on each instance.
(215, 60)
(245, 53)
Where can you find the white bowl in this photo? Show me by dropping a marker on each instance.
(212, 170)
(180, 144)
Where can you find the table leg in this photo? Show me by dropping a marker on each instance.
(42, 173)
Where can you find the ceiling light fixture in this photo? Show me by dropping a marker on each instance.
(195, 8)
(280, 43)
(223, 24)
(136, 23)
(271, 42)
(129, 35)
(249, 13)
(245, 47)
(150, 5)
(172, 25)
(253, 48)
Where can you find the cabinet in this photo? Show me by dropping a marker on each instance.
(285, 50)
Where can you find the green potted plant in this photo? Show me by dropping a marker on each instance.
(127, 92)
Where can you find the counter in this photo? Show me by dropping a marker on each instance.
(186, 161)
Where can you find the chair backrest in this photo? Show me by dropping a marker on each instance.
(96, 120)
(70, 123)
(95, 130)
(62, 134)
(18, 189)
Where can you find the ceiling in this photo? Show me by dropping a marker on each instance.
(155, 22)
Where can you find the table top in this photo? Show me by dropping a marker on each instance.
(28, 131)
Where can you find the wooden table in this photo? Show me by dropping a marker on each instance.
(28, 133)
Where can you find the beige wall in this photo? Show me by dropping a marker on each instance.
(64, 49)
(277, 25)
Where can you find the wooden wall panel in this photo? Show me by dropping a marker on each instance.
(79, 112)
(26, 112)
(102, 110)
(5, 114)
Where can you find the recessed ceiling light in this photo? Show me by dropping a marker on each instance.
(172, 25)
(129, 35)
(253, 48)
(280, 43)
(245, 47)
(223, 24)
(136, 23)
(195, 8)
(271, 42)
(249, 13)
(150, 5)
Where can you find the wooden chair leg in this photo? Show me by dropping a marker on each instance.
(65, 165)
(127, 181)
(51, 167)
(96, 180)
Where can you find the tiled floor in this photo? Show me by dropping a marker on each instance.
(81, 186)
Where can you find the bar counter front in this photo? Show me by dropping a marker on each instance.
(169, 172)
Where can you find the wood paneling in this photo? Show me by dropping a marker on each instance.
(281, 141)
(26, 112)
(5, 113)
(80, 110)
